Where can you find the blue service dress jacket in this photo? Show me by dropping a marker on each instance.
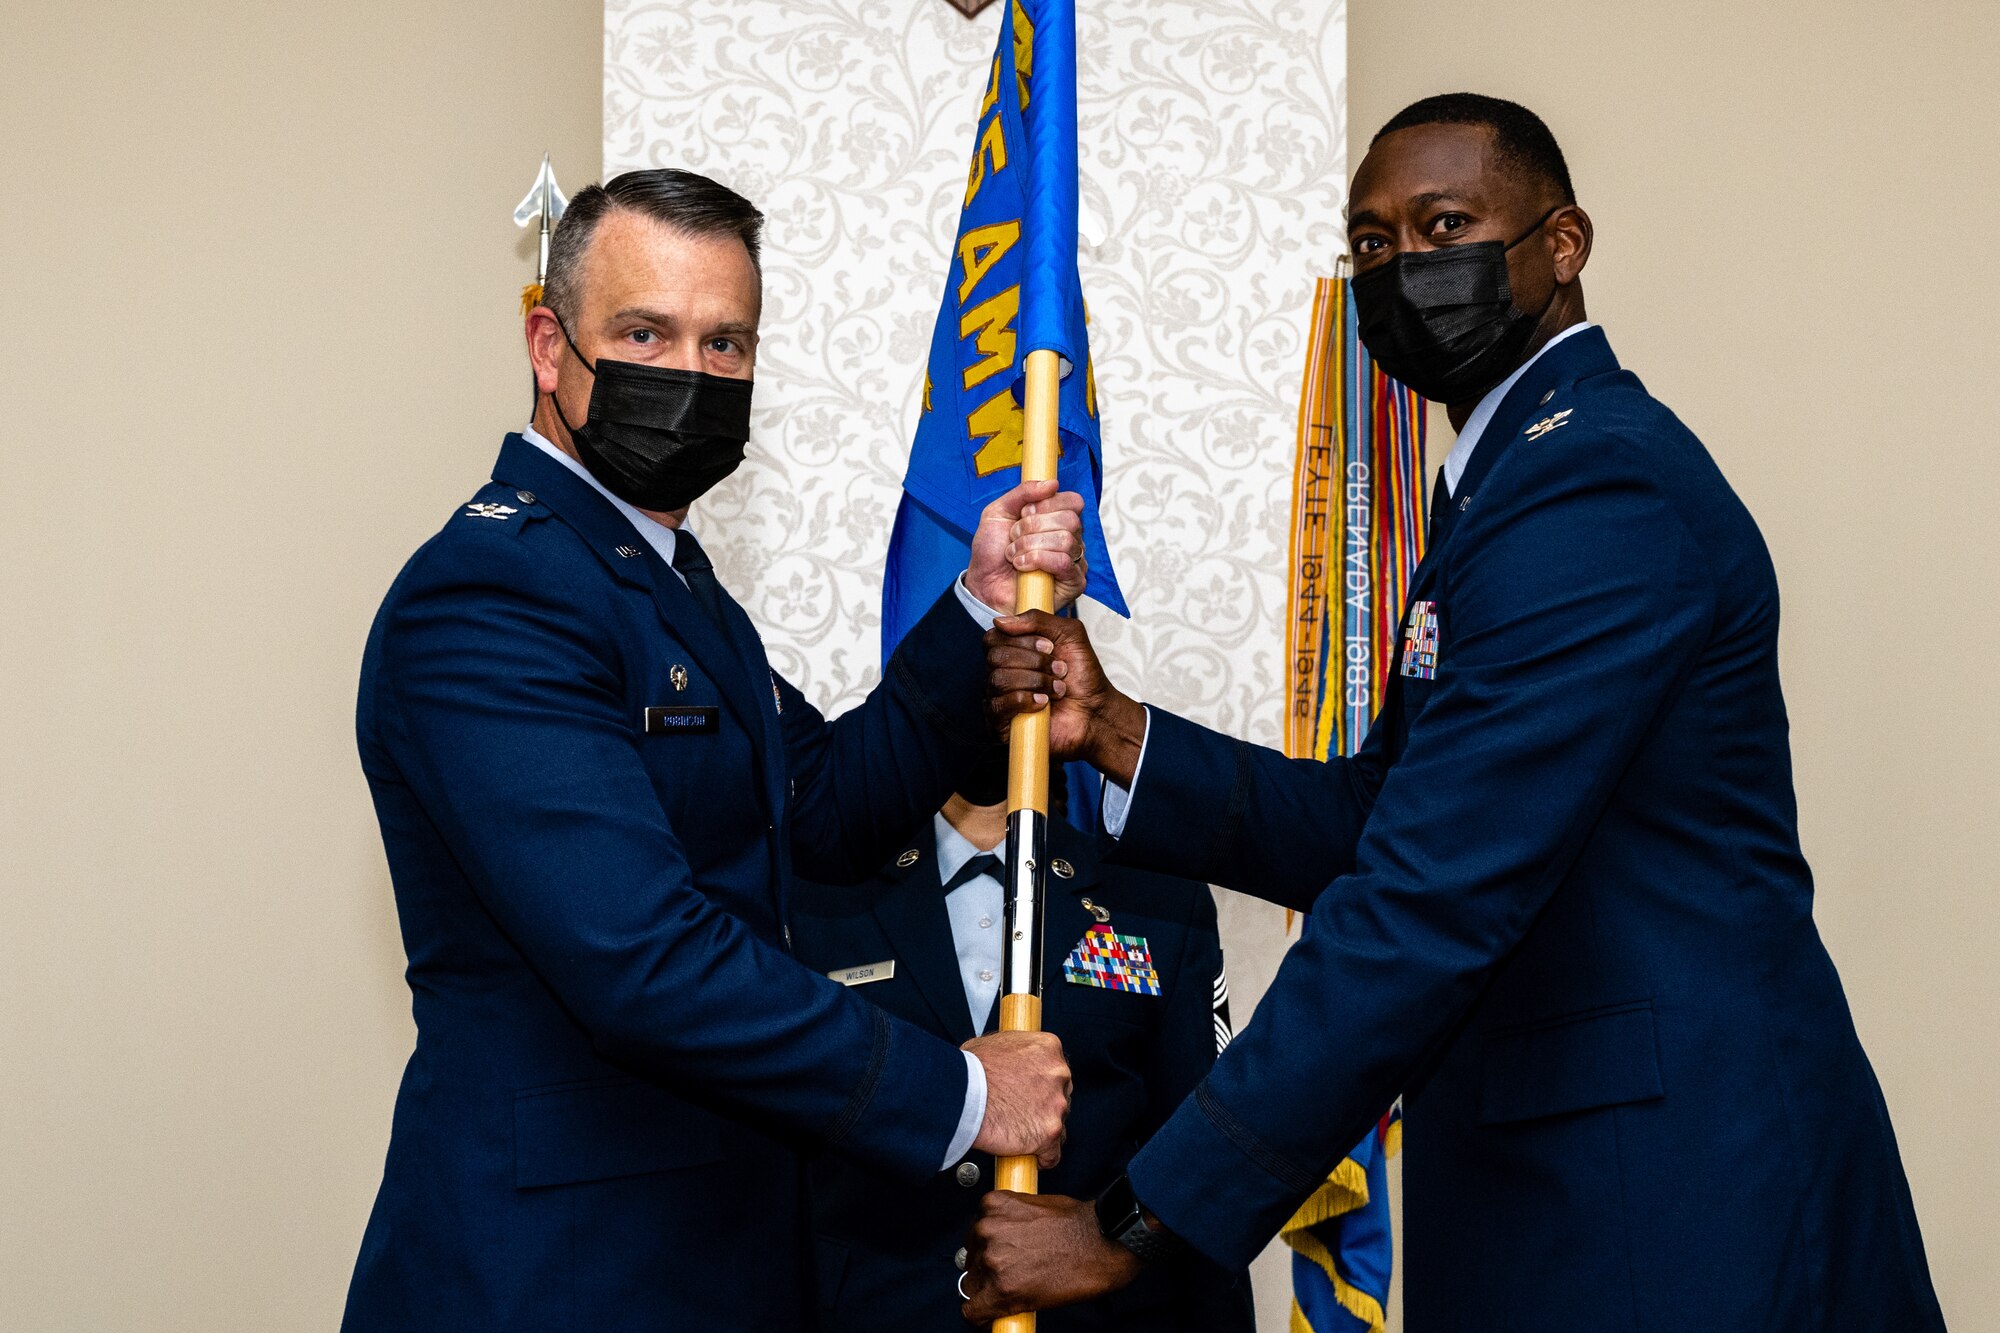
(1557, 903)
(885, 1247)
(617, 1058)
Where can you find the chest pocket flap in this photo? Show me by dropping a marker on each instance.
(1600, 1057)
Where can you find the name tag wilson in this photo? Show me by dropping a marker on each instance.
(867, 972)
(678, 721)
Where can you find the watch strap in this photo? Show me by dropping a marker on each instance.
(1121, 1218)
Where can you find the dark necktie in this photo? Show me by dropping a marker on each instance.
(1440, 513)
(692, 563)
(986, 863)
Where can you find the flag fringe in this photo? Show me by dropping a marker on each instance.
(1345, 1191)
(1352, 1299)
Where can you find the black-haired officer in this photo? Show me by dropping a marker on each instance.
(1558, 901)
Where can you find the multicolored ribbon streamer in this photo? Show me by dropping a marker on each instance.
(1357, 535)
(1357, 532)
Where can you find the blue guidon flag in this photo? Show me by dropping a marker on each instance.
(1011, 289)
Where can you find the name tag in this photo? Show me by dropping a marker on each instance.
(682, 721)
(867, 972)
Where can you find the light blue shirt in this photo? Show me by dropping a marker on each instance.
(656, 534)
(1482, 415)
(976, 908)
(1117, 799)
(662, 539)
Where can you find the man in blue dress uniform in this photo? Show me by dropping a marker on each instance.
(593, 791)
(1557, 902)
(1132, 984)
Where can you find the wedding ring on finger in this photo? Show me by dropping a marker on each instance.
(961, 1288)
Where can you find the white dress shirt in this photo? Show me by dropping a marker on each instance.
(663, 540)
(1117, 799)
(976, 909)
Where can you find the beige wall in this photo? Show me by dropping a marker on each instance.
(260, 338)
(260, 343)
(1791, 204)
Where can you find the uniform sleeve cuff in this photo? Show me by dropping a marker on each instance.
(972, 1116)
(1117, 800)
(978, 610)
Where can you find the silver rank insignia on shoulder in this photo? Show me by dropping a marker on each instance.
(1547, 424)
(494, 511)
(678, 674)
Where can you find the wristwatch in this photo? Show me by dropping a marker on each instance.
(1120, 1218)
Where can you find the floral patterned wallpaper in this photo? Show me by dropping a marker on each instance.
(1213, 149)
(1213, 164)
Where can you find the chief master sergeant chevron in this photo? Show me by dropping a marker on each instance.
(1557, 901)
(593, 790)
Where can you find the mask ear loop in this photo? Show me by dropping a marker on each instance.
(556, 402)
(593, 369)
(1537, 226)
(1553, 287)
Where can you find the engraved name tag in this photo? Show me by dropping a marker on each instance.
(867, 972)
(674, 721)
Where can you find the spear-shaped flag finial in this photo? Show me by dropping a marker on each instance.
(544, 203)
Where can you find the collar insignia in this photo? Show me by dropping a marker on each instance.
(1547, 424)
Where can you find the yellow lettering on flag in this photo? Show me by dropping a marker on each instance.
(993, 322)
(980, 249)
(992, 98)
(988, 158)
(1024, 49)
(998, 422)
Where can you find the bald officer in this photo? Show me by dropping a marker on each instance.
(1557, 901)
(593, 791)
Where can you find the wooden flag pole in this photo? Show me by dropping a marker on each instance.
(1028, 788)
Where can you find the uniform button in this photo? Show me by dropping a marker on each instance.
(985, 923)
(986, 974)
(525, 497)
(968, 1174)
(959, 1258)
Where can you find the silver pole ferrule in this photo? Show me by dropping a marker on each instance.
(1027, 874)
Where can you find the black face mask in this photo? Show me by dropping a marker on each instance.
(659, 439)
(1444, 321)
